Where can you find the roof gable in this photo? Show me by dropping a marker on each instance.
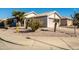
(43, 14)
(31, 13)
(48, 13)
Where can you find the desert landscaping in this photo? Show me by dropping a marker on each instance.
(39, 40)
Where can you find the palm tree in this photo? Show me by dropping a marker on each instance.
(55, 21)
(19, 16)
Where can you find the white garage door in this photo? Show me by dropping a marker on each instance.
(51, 23)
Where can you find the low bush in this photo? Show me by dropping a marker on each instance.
(34, 24)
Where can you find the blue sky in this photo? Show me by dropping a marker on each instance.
(7, 12)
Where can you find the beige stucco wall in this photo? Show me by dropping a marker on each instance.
(50, 22)
(30, 15)
(42, 19)
(69, 23)
(52, 16)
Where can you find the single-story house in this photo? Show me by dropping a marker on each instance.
(46, 18)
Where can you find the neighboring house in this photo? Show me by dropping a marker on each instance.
(69, 22)
(46, 18)
(7, 22)
(12, 21)
(2, 23)
(66, 21)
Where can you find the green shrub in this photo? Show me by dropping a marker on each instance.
(34, 24)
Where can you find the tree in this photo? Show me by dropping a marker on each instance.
(19, 15)
(75, 18)
(55, 24)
